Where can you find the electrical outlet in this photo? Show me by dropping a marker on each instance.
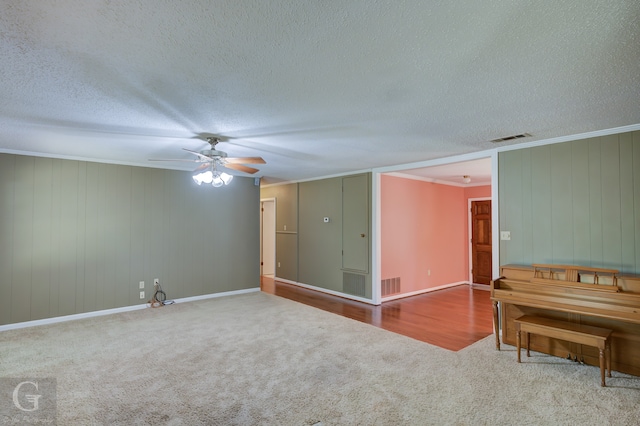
(278, 264)
(429, 272)
(141, 284)
(142, 295)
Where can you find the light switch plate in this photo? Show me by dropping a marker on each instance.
(505, 235)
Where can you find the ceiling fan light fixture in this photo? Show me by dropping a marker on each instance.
(226, 178)
(206, 177)
(217, 181)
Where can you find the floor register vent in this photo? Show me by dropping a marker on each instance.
(353, 284)
(390, 286)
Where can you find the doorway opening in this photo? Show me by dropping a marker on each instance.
(480, 242)
(268, 237)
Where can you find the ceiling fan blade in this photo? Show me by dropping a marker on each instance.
(244, 160)
(201, 167)
(204, 157)
(241, 168)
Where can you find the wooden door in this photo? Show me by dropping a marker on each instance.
(481, 241)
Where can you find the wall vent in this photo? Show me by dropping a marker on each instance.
(390, 286)
(510, 138)
(353, 284)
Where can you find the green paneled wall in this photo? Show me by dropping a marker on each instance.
(78, 237)
(314, 247)
(576, 202)
(320, 243)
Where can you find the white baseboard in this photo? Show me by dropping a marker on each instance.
(73, 317)
(215, 295)
(324, 290)
(426, 290)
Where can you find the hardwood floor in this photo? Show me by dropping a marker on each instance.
(452, 318)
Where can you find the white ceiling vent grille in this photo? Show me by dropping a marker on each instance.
(510, 138)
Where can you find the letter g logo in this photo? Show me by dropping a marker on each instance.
(31, 398)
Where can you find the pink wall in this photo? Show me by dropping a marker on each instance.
(424, 227)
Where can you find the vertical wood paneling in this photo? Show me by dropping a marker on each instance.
(527, 230)
(595, 202)
(201, 240)
(173, 208)
(110, 237)
(7, 224)
(585, 203)
(68, 249)
(628, 220)
(41, 254)
(611, 230)
(511, 200)
(79, 236)
(137, 258)
(227, 233)
(22, 267)
(580, 200)
(91, 258)
(541, 204)
(156, 232)
(122, 225)
(56, 236)
(319, 243)
(106, 275)
(561, 204)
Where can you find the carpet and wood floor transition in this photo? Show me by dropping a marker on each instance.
(258, 359)
(451, 318)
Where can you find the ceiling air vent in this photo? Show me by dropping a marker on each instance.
(510, 138)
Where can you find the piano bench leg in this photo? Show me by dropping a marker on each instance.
(602, 367)
(608, 355)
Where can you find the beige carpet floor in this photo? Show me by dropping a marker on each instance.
(257, 359)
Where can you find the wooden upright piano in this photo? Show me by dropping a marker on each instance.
(583, 295)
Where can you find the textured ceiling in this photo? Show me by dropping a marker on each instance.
(479, 171)
(317, 87)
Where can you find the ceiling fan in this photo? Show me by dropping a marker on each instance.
(211, 158)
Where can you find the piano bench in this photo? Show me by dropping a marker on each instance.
(568, 331)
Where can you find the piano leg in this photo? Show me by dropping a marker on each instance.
(496, 324)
